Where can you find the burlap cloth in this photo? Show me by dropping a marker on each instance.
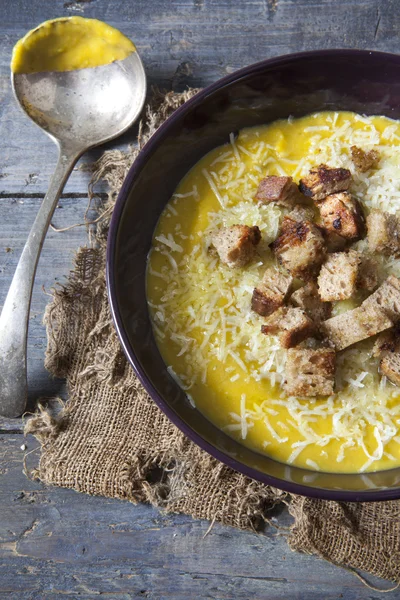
(110, 439)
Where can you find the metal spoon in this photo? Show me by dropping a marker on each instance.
(78, 110)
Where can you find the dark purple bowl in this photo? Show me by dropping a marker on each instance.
(297, 84)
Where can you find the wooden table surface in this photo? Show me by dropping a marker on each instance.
(57, 543)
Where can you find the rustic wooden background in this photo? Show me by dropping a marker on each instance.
(55, 542)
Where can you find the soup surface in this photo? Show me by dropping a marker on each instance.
(67, 44)
(200, 308)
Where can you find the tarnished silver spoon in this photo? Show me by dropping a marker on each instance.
(78, 110)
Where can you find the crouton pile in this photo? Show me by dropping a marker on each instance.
(317, 266)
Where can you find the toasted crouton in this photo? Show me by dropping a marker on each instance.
(302, 213)
(270, 294)
(367, 269)
(350, 327)
(387, 349)
(300, 248)
(367, 272)
(364, 161)
(236, 245)
(281, 190)
(386, 342)
(334, 242)
(310, 372)
(292, 324)
(386, 298)
(337, 279)
(390, 367)
(308, 299)
(378, 312)
(323, 181)
(342, 214)
(383, 233)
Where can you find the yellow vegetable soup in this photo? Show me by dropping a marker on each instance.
(201, 312)
(68, 44)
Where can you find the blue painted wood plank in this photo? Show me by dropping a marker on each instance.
(16, 218)
(182, 42)
(55, 541)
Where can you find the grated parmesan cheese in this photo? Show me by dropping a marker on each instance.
(213, 187)
(312, 464)
(170, 242)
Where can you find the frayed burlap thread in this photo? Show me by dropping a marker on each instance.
(110, 439)
(362, 535)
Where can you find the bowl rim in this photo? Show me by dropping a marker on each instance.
(134, 171)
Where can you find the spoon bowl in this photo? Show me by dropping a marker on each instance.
(79, 110)
(87, 107)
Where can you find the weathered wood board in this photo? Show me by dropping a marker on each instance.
(182, 42)
(57, 542)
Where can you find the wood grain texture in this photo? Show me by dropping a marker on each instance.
(56, 543)
(17, 216)
(181, 42)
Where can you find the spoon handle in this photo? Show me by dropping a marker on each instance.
(15, 314)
